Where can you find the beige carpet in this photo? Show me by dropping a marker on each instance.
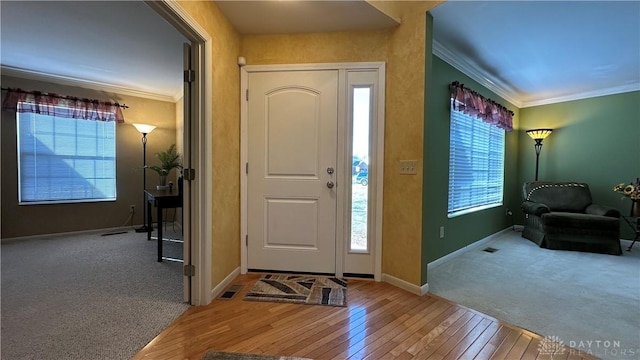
(87, 296)
(301, 289)
(589, 301)
(220, 355)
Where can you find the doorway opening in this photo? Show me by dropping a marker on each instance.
(355, 215)
(197, 138)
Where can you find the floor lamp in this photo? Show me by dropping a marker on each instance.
(144, 129)
(538, 135)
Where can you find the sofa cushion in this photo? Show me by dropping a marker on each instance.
(603, 210)
(560, 196)
(582, 221)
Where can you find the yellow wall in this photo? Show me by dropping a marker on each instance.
(402, 232)
(226, 134)
(402, 48)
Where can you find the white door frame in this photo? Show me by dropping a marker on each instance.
(201, 148)
(344, 177)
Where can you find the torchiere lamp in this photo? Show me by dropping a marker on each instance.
(144, 129)
(538, 135)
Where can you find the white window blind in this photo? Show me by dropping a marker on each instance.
(65, 160)
(476, 164)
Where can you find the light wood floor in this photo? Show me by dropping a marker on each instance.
(380, 322)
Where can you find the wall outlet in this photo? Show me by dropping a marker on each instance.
(132, 208)
(508, 212)
(441, 232)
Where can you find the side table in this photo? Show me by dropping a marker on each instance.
(161, 199)
(634, 224)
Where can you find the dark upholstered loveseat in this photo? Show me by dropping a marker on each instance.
(560, 216)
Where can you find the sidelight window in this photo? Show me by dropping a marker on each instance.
(361, 122)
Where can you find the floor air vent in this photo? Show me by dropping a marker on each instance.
(490, 250)
(231, 292)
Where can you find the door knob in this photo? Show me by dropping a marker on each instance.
(330, 184)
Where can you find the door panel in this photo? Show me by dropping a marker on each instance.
(292, 144)
(292, 125)
(281, 213)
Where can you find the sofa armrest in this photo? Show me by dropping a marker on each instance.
(530, 207)
(602, 210)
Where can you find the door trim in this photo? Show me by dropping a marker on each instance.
(344, 177)
(201, 199)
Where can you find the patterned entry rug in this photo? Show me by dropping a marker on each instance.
(301, 289)
(220, 355)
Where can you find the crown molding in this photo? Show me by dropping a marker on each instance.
(475, 73)
(585, 95)
(87, 84)
(501, 89)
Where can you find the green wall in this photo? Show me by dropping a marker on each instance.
(466, 229)
(596, 141)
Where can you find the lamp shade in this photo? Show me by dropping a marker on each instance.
(144, 128)
(539, 134)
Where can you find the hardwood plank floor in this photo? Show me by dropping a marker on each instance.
(380, 322)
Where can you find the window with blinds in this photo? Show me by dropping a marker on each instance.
(476, 164)
(63, 160)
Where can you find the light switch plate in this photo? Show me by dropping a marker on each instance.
(408, 167)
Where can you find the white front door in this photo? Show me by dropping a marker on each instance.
(292, 153)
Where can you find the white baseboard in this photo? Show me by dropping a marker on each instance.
(81, 232)
(223, 285)
(469, 247)
(421, 290)
(414, 289)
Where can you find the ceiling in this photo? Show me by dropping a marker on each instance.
(536, 52)
(121, 46)
(285, 17)
(529, 52)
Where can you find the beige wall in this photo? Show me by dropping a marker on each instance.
(29, 220)
(402, 48)
(179, 144)
(226, 137)
(180, 125)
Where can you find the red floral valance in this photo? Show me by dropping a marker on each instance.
(472, 103)
(37, 102)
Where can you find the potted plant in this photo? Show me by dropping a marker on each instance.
(632, 191)
(169, 159)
